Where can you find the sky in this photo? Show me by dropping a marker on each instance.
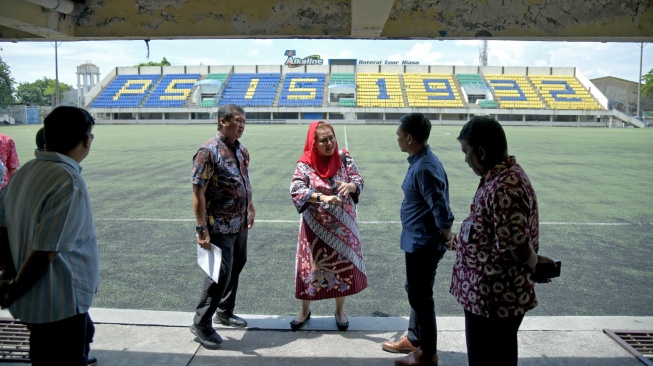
(30, 61)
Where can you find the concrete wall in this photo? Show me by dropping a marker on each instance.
(367, 69)
(201, 69)
(133, 70)
(416, 69)
(343, 69)
(462, 70)
(269, 69)
(324, 69)
(539, 71)
(245, 69)
(566, 71)
(392, 69)
(491, 69)
(515, 70)
(172, 70)
(219, 69)
(149, 70)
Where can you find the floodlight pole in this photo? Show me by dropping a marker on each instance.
(639, 80)
(56, 74)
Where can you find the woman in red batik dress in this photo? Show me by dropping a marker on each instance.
(325, 189)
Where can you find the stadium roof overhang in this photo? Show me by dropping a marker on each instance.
(566, 20)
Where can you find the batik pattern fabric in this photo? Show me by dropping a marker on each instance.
(329, 260)
(486, 280)
(8, 156)
(222, 166)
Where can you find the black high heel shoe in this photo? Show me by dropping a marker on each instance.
(342, 326)
(295, 325)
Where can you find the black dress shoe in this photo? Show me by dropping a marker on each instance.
(342, 326)
(228, 318)
(294, 324)
(207, 336)
(91, 361)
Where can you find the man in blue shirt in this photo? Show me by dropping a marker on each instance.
(426, 221)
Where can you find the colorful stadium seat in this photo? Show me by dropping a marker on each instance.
(125, 91)
(338, 78)
(172, 91)
(432, 90)
(379, 90)
(564, 92)
(251, 89)
(514, 91)
(470, 79)
(302, 90)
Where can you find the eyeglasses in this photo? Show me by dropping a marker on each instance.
(92, 136)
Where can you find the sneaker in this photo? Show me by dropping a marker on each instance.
(208, 337)
(228, 318)
(91, 361)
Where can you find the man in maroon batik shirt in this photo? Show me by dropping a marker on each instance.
(496, 249)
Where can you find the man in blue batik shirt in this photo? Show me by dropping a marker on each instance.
(426, 221)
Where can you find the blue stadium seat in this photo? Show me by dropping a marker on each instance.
(251, 89)
(125, 91)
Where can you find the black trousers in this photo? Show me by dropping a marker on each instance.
(222, 295)
(491, 341)
(421, 267)
(64, 342)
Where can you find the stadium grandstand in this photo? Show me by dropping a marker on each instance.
(353, 93)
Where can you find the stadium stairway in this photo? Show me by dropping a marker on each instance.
(539, 93)
(189, 99)
(628, 119)
(404, 95)
(494, 95)
(325, 91)
(277, 95)
(149, 92)
(456, 84)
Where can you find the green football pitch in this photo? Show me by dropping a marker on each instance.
(593, 187)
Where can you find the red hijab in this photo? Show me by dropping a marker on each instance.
(325, 167)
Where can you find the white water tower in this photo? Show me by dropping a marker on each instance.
(87, 76)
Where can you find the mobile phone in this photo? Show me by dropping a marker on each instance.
(547, 270)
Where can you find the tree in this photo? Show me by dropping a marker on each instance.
(6, 85)
(647, 85)
(41, 92)
(164, 62)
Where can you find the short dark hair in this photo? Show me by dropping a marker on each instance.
(66, 127)
(40, 138)
(416, 125)
(227, 112)
(485, 132)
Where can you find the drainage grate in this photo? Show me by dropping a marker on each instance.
(637, 342)
(14, 341)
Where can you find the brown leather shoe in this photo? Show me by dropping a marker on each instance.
(417, 358)
(403, 345)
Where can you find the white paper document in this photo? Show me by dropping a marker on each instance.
(209, 261)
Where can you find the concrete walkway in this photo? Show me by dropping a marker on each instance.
(136, 337)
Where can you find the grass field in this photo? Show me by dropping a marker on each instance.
(593, 186)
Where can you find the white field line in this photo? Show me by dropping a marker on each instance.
(380, 222)
(346, 142)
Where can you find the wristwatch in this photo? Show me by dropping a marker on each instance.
(200, 228)
(319, 195)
